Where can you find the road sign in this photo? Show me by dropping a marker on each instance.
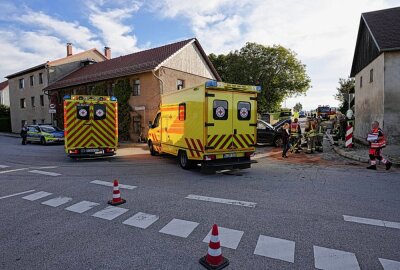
(52, 108)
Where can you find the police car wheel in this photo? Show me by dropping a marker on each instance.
(43, 140)
(185, 163)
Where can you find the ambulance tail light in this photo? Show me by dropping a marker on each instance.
(249, 154)
(210, 157)
(75, 151)
(109, 150)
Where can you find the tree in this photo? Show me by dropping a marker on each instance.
(346, 87)
(298, 107)
(122, 91)
(276, 69)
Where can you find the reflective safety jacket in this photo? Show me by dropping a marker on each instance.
(376, 138)
(295, 128)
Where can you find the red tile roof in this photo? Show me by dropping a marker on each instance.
(125, 65)
(3, 85)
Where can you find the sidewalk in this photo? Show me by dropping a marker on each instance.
(360, 152)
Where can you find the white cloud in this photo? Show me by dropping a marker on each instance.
(110, 23)
(322, 33)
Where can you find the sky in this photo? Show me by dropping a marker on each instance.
(322, 33)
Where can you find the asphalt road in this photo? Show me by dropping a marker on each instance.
(288, 214)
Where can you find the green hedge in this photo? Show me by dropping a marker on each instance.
(5, 124)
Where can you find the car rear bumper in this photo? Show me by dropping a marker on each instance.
(227, 164)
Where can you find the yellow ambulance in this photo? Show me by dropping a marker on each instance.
(213, 124)
(90, 125)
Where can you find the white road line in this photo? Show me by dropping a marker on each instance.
(389, 264)
(82, 206)
(111, 184)
(45, 173)
(57, 201)
(141, 220)
(275, 248)
(37, 196)
(219, 200)
(229, 238)
(3, 166)
(179, 227)
(332, 259)
(15, 170)
(16, 194)
(110, 212)
(375, 222)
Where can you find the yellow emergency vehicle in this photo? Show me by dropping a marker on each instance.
(213, 124)
(90, 125)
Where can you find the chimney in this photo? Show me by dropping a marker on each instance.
(107, 52)
(69, 49)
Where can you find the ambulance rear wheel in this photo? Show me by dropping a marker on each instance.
(185, 163)
(152, 151)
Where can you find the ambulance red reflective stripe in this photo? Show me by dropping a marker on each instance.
(212, 139)
(189, 147)
(218, 142)
(225, 143)
(195, 148)
(238, 141)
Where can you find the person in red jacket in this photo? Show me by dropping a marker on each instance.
(377, 141)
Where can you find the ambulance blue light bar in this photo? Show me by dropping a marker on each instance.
(67, 97)
(258, 88)
(113, 98)
(211, 84)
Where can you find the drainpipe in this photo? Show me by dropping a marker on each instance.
(158, 78)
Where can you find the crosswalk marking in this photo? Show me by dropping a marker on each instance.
(15, 170)
(141, 220)
(45, 173)
(37, 196)
(229, 238)
(375, 222)
(110, 184)
(110, 212)
(16, 194)
(179, 227)
(389, 264)
(3, 166)
(275, 248)
(82, 207)
(332, 259)
(220, 200)
(55, 202)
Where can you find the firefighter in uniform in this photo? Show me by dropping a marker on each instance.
(295, 135)
(377, 141)
(311, 133)
(319, 138)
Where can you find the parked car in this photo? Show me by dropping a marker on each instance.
(268, 134)
(45, 134)
(277, 126)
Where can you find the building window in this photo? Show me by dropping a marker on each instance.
(21, 83)
(42, 100)
(22, 103)
(136, 88)
(42, 121)
(32, 80)
(180, 84)
(34, 121)
(40, 78)
(371, 75)
(361, 82)
(33, 102)
(23, 123)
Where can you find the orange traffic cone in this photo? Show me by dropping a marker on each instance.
(214, 259)
(116, 200)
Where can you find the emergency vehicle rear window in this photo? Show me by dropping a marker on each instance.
(82, 112)
(244, 110)
(99, 111)
(220, 111)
